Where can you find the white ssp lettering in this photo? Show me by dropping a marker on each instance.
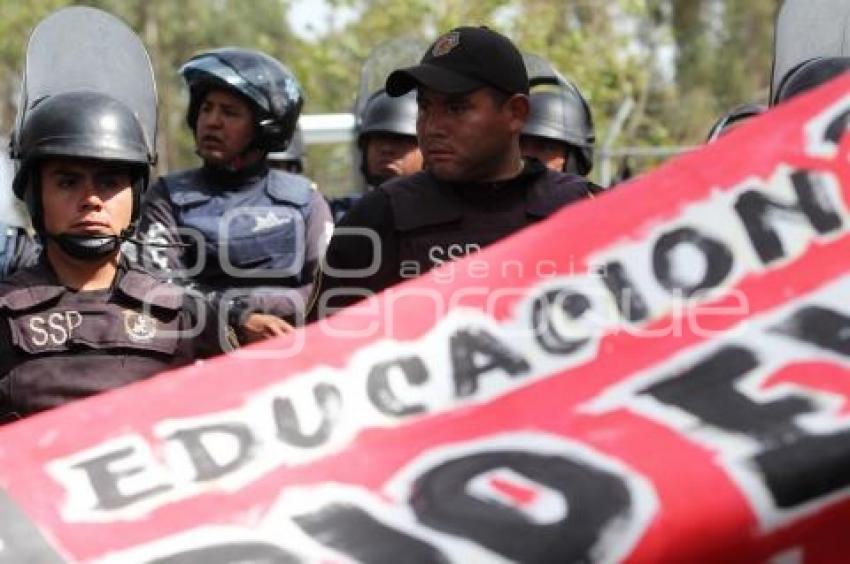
(440, 255)
(61, 327)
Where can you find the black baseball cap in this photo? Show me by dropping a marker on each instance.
(462, 60)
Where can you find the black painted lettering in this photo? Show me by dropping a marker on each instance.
(544, 316)
(759, 214)
(594, 498)
(476, 352)
(354, 532)
(629, 300)
(289, 430)
(106, 480)
(818, 326)
(231, 553)
(378, 386)
(797, 466)
(206, 466)
(836, 129)
(708, 391)
(669, 272)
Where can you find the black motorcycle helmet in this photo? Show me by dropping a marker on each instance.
(385, 114)
(85, 125)
(561, 113)
(809, 75)
(270, 87)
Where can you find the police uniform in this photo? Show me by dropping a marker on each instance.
(423, 222)
(17, 250)
(57, 345)
(255, 235)
(250, 238)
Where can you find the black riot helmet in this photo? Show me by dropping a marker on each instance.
(809, 75)
(561, 113)
(292, 159)
(87, 125)
(737, 115)
(385, 114)
(269, 87)
(804, 32)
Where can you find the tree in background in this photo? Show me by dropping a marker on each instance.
(683, 62)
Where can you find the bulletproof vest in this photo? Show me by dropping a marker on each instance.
(254, 234)
(57, 345)
(437, 223)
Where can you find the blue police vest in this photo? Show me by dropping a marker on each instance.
(253, 233)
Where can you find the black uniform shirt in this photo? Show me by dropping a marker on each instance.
(418, 222)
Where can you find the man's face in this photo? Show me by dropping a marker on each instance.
(467, 137)
(86, 197)
(550, 152)
(389, 155)
(225, 127)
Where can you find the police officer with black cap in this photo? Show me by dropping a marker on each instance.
(84, 319)
(247, 235)
(472, 93)
(386, 140)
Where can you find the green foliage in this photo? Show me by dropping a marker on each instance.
(684, 62)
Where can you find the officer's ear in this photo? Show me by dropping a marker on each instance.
(517, 108)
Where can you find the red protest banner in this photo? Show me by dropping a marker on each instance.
(656, 375)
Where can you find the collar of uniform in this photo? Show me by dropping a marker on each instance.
(146, 289)
(234, 179)
(532, 169)
(407, 194)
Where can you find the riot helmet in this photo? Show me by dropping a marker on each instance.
(806, 32)
(77, 103)
(559, 112)
(84, 125)
(292, 159)
(734, 117)
(268, 85)
(562, 114)
(809, 75)
(383, 114)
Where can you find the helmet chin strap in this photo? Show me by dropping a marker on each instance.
(88, 247)
(85, 247)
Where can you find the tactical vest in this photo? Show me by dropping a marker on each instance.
(434, 225)
(253, 235)
(58, 345)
